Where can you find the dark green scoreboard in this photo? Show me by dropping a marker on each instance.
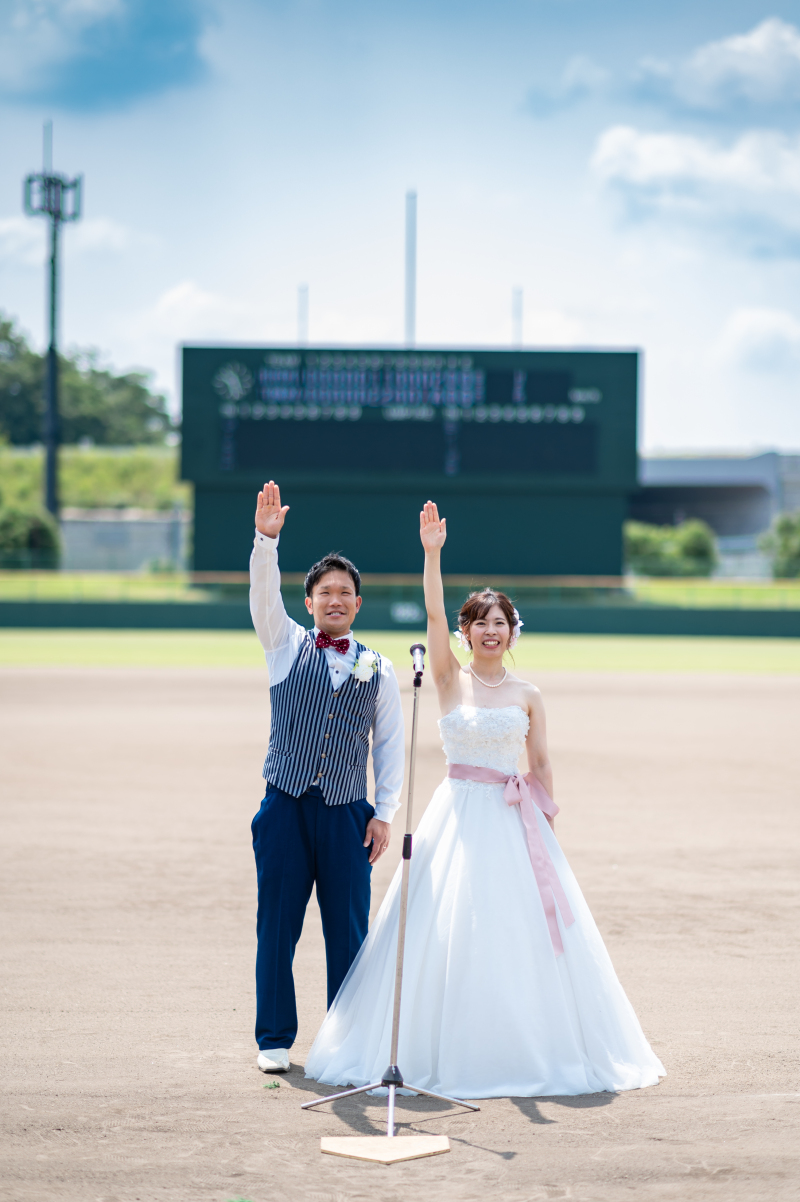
(529, 454)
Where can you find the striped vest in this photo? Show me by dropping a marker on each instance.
(319, 736)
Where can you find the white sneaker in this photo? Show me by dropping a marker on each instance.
(274, 1060)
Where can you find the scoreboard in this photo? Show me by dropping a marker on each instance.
(377, 432)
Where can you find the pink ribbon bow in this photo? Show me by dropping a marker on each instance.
(526, 792)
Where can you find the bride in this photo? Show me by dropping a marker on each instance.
(508, 990)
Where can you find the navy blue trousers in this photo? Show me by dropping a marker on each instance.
(299, 842)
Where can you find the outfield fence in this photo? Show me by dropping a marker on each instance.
(557, 605)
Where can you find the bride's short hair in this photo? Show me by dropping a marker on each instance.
(477, 605)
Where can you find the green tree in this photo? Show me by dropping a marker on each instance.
(782, 544)
(21, 388)
(95, 404)
(689, 549)
(29, 538)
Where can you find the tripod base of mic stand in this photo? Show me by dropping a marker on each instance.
(383, 1147)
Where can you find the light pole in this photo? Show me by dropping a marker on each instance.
(516, 317)
(302, 314)
(411, 268)
(49, 195)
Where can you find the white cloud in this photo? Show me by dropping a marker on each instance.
(581, 78)
(106, 235)
(187, 313)
(22, 242)
(37, 34)
(762, 162)
(551, 327)
(94, 54)
(756, 69)
(750, 190)
(183, 313)
(728, 78)
(339, 325)
(759, 340)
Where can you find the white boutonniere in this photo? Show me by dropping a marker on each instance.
(365, 666)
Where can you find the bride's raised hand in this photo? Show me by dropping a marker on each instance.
(270, 514)
(432, 528)
(444, 665)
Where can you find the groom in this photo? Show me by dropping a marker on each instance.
(315, 825)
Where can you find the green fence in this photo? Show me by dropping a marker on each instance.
(551, 619)
(585, 605)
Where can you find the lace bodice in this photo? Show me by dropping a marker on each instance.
(486, 736)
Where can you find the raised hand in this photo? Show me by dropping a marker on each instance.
(270, 515)
(445, 668)
(432, 529)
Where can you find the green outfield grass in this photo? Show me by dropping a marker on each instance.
(718, 593)
(99, 586)
(240, 649)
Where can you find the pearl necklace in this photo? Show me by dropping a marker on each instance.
(485, 683)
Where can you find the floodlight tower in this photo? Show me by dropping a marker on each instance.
(49, 195)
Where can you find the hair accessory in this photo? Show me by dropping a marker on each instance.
(462, 640)
(515, 633)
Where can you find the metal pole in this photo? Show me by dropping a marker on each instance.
(47, 148)
(302, 314)
(516, 316)
(401, 931)
(411, 268)
(51, 431)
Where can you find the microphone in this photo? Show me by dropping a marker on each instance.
(418, 658)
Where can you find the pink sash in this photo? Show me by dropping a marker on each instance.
(525, 791)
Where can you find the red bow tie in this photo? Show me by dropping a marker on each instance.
(324, 640)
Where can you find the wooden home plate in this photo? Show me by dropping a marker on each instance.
(385, 1149)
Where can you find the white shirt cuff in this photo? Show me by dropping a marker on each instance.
(385, 812)
(262, 540)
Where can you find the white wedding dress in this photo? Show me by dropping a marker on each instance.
(489, 1009)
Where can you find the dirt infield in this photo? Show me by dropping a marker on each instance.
(128, 945)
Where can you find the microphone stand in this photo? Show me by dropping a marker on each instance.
(392, 1078)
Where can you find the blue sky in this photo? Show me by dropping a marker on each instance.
(634, 167)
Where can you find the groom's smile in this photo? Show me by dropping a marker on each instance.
(333, 603)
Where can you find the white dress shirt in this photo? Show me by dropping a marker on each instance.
(281, 639)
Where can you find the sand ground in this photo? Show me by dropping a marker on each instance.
(128, 944)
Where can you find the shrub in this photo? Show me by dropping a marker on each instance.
(689, 549)
(782, 544)
(97, 478)
(29, 538)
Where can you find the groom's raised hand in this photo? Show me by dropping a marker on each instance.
(270, 514)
